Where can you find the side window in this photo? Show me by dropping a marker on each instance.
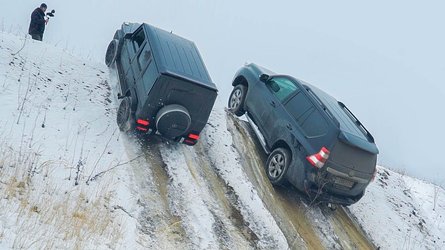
(300, 108)
(315, 124)
(282, 87)
(144, 57)
(138, 39)
(306, 115)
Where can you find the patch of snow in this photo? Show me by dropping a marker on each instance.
(400, 212)
(61, 155)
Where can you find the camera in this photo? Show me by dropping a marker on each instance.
(51, 14)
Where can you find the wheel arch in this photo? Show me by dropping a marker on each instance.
(241, 79)
(133, 99)
(281, 144)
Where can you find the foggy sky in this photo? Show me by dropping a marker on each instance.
(384, 59)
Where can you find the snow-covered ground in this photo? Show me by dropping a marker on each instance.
(401, 212)
(60, 152)
(70, 179)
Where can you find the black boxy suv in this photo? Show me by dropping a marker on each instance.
(313, 141)
(164, 85)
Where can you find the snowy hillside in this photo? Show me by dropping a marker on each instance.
(401, 212)
(58, 147)
(70, 179)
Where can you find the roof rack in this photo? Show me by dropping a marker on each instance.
(356, 121)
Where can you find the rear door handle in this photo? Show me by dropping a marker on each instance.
(273, 104)
(288, 126)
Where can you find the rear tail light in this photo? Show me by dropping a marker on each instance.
(191, 139)
(319, 159)
(143, 122)
(142, 125)
(194, 136)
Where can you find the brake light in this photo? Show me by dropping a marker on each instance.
(194, 137)
(142, 129)
(374, 174)
(319, 159)
(143, 122)
(190, 142)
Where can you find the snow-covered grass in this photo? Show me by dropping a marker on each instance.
(401, 212)
(59, 148)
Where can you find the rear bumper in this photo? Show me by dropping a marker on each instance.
(326, 197)
(322, 188)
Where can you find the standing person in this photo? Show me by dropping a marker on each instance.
(38, 22)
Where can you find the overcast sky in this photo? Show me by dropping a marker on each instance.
(383, 59)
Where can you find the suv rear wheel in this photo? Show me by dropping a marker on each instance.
(123, 119)
(236, 100)
(277, 165)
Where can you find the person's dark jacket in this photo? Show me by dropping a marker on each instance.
(37, 25)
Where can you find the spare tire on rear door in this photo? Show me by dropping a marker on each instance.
(173, 121)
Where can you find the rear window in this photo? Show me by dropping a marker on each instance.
(307, 116)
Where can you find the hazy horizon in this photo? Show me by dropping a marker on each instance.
(384, 60)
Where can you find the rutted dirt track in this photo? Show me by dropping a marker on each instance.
(188, 200)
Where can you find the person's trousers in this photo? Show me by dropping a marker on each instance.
(37, 37)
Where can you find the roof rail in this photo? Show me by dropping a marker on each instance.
(359, 124)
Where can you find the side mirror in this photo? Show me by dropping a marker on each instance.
(264, 78)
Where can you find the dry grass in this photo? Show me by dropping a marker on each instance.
(50, 212)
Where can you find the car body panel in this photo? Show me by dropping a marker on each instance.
(306, 122)
(157, 68)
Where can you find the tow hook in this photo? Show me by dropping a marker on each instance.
(333, 207)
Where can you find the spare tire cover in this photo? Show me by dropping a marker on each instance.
(173, 121)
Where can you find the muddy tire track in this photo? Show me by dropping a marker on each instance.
(228, 227)
(287, 211)
(349, 232)
(158, 227)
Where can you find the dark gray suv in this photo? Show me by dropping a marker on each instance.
(314, 141)
(164, 85)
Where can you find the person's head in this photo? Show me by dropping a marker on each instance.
(43, 7)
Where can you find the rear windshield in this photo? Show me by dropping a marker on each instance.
(346, 123)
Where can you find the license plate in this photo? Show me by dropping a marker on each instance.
(343, 182)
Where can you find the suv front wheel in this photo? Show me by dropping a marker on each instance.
(236, 100)
(111, 54)
(277, 166)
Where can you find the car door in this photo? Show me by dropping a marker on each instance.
(129, 52)
(135, 48)
(138, 65)
(275, 117)
(309, 121)
(255, 102)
